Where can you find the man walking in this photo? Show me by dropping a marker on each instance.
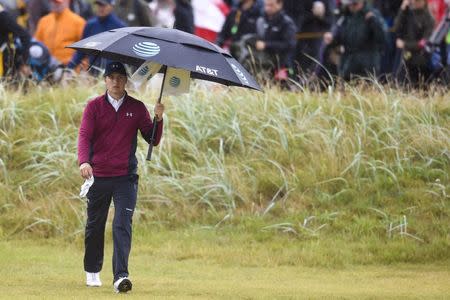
(106, 150)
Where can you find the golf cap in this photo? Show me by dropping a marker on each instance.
(105, 2)
(115, 67)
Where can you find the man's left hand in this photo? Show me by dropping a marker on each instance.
(159, 111)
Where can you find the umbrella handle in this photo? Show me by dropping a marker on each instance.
(152, 139)
(155, 123)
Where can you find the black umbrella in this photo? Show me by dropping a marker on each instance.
(170, 48)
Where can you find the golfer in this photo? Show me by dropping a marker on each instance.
(106, 150)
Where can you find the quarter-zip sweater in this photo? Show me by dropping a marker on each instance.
(108, 139)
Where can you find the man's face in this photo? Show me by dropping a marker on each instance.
(115, 83)
(356, 6)
(271, 7)
(103, 9)
(58, 6)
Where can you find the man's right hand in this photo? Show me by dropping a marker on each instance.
(86, 170)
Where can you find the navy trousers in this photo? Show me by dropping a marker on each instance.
(123, 190)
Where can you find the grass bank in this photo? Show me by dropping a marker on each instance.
(365, 170)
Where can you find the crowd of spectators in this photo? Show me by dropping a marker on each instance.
(404, 40)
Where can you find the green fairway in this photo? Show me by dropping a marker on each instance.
(191, 265)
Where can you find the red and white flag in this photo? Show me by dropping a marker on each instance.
(209, 16)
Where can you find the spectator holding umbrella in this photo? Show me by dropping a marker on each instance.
(414, 26)
(362, 38)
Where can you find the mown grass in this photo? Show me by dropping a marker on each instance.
(196, 263)
(361, 174)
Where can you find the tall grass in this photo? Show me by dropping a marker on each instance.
(342, 164)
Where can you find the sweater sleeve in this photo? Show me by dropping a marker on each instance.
(85, 134)
(146, 127)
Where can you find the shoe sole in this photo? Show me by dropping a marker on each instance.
(124, 286)
(94, 284)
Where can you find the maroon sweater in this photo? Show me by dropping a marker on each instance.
(108, 139)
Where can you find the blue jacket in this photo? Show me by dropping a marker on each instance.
(94, 26)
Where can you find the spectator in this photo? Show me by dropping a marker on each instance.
(17, 9)
(315, 19)
(36, 10)
(389, 10)
(362, 37)
(162, 13)
(10, 61)
(414, 25)
(276, 36)
(294, 9)
(104, 20)
(184, 16)
(81, 8)
(241, 21)
(59, 29)
(134, 12)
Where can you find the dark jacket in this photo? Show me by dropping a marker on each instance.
(9, 26)
(82, 8)
(134, 12)
(388, 8)
(412, 26)
(363, 39)
(184, 16)
(238, 23)
(278, 33)
(294, 9)
(309, 23)
(108, 139)
(94, 26)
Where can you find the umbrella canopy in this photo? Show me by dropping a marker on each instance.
(169, 47)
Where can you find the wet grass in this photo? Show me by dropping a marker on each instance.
(357, 176)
